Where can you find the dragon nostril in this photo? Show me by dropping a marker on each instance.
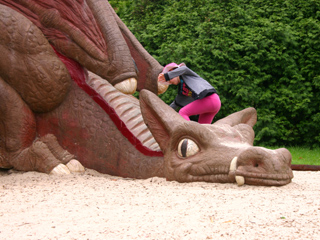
(256, 165)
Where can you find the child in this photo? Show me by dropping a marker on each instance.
(205, 101)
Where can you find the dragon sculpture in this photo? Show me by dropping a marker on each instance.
(65, 73)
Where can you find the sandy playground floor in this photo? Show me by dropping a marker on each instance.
(99, 206)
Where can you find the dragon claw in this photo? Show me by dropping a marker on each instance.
(75, 166)
(162, 88)
(128, 86)
(60, 170)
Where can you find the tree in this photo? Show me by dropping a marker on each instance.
(256, 53)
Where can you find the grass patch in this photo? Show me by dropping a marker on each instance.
(303, 155)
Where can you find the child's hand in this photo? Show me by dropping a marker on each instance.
(161, 78)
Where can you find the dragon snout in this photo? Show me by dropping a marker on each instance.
(261, 166)
(284, 155)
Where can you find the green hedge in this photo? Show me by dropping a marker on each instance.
(264, 54)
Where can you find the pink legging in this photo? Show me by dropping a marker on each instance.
(206, 108)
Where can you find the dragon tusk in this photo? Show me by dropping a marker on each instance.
(233, 166)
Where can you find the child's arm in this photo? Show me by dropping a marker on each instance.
(177, 72)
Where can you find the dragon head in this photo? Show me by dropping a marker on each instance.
(219, 152)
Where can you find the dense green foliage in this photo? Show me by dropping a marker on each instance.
(264, 54)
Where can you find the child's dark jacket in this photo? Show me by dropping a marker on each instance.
(199, 87)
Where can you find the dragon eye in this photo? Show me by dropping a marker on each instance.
(187, 148)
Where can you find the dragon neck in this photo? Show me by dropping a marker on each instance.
(79, 75)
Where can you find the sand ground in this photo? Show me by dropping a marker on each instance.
(100, 206)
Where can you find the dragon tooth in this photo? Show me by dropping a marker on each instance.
(240, 180)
